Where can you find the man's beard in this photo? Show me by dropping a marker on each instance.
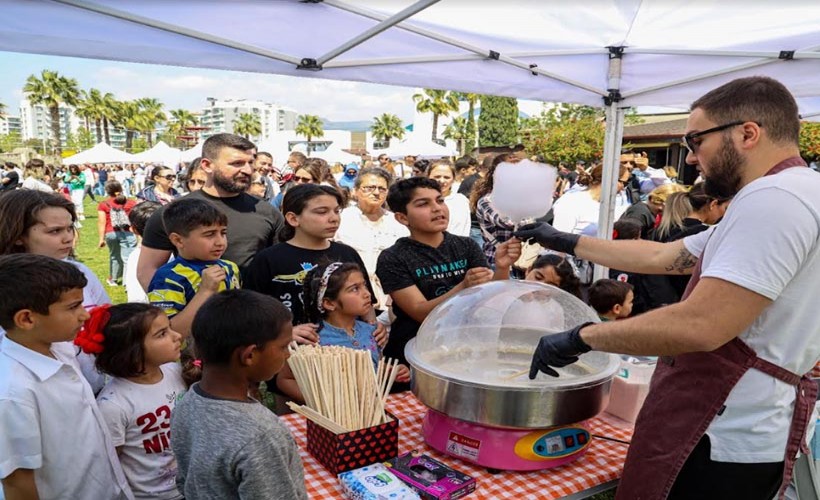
(724, 179)
(229, 184)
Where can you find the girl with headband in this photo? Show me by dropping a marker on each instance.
(335, 296)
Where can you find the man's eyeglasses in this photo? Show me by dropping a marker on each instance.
(302, 180)
(370, 189)
(689, 139)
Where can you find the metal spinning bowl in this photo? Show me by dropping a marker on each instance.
(471, 356)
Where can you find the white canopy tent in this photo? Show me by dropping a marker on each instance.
(416, 145)
(610, 53)
(161, 153)
(190, 155)
(101, 153)
(334, 155)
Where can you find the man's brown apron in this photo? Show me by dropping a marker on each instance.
(687, 392)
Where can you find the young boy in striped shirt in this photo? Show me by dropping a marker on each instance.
(198, 230)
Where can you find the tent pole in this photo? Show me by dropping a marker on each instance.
(612, 149)
(609, 183)
(375, 30)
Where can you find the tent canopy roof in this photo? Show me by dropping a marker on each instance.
(671, 51)
(101, 153)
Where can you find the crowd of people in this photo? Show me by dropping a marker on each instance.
(231, 259)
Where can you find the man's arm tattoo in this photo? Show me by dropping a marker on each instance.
(683, 262)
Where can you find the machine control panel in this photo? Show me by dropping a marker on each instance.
(552, 443)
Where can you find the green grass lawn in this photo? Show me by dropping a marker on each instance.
(94, 257)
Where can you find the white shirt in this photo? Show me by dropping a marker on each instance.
(369, 238)
(36, 185)
(576, 212)
(51, 424)
(459, 207)
(768, 243)
(139, 419)
(133, 288)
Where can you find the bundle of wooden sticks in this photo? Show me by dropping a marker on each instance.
(342, 391)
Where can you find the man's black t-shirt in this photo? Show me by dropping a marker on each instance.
(13, 181)
(279, 271)
(434, 271)
(253, 224)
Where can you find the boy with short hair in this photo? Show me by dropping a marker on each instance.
(53, 442)
(199, 231)
(138, 218)
(611, 299)
(228, 445)
(431, 265)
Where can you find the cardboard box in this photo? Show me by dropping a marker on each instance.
(430, 478)
(354, 449)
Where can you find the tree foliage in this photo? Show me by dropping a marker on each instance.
(458, 130)
(247, 125)
(498, 121)
(10, 141)
(386, 127)
(810, 141)
(309, 126)
(51, 89)
(565, 133)
(80, 141)
(437, 102)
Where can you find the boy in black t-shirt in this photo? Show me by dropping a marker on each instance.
(430, 266)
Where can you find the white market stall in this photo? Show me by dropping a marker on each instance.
(101, 153)
(415, 145)
(193, 153)
(607, 53)
(162, 154)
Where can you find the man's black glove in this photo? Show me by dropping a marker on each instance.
(558, 349)
(549, 237)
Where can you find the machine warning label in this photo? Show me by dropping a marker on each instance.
(463, 446)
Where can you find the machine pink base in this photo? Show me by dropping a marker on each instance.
(504, 449)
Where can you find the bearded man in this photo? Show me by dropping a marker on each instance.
(253, 223)
(730, 405)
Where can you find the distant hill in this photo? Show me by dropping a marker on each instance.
(354, 126)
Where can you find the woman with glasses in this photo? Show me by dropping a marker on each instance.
(368, 227)
(257, 186)
(194, 178)
(160, 186)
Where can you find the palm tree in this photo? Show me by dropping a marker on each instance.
(129, 116)
(438, 102)
(182, 118)
(110, 112)
(51, 90)
(457, 131)
(472, 100)
(387, 126)
(151, 110)
(247, 125)
(309, 126)
(93, 108)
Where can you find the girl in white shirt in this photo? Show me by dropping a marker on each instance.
(445, 173)
(134, 343)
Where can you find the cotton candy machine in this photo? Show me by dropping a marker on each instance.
(471, 361)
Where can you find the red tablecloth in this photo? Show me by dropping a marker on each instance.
(602, 463)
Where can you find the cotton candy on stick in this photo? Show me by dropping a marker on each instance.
(523, 190)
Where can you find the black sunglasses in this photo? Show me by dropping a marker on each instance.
(170, 177)
(689, 139)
